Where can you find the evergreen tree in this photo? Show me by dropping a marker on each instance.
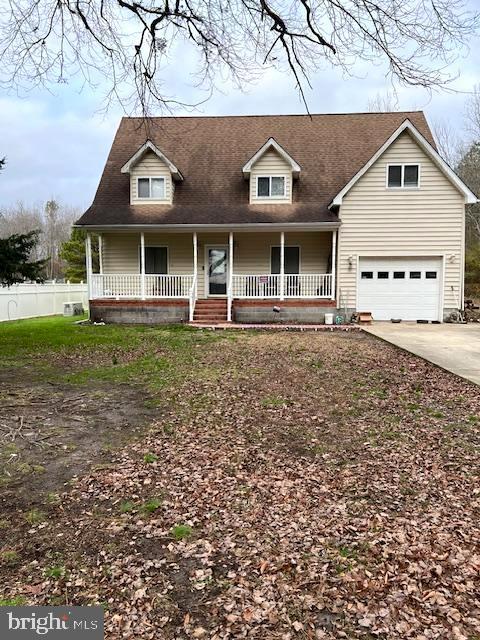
(15, 264)
(73, 252)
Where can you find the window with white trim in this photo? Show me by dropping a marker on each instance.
(151, 188)
(271, 186)
(403, 176)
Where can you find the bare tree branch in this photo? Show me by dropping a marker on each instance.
(473, 113)
(127, 45)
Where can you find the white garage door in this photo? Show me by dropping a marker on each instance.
(406, 288)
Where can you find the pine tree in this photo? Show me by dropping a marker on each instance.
(73, 252)
(15, 265)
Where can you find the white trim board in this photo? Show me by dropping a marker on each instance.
(424, 144)
(271, 143)
(149, 146)
(240, 227)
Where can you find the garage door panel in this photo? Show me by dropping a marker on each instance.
(408, 298)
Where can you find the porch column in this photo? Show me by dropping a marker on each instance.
(282, 265)
(193, 292)
(334, 264)
(195, 257)
(142, 264)
(100, 253)
(230, 276)
(89, 266)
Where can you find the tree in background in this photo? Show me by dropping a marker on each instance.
(469, 170)
(73, 253)
(15, 259)
(53, 221)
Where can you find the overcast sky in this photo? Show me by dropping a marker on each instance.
(56, 145)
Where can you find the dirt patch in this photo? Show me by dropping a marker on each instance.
(51, 433)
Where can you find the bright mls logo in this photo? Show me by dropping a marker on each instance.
(25, 623)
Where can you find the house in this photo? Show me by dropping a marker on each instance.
(262, 218)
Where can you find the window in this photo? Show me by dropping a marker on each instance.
(410, 175)
(271, 187)
(151, 188)
(398, 275)
(403, 175)
(382, 275)
(367, 275)
(395, 176)
(431, 275)
(415, 275)
(292, 260)
(156, 260)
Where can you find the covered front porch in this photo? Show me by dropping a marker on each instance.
(176, 267)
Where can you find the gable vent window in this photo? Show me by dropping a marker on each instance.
(151, 188)
(403, 175)
(271, 187)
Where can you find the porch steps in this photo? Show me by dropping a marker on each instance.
(210, 311)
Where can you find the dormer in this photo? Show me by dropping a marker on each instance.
(271, 172)
(152, 176)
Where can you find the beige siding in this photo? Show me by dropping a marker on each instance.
(251, 252)
(270, 164)
(151, 166)
(121, 253)
(377, 221)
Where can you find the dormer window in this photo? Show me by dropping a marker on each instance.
(405, 176)
(151, 188)
(271, 186)
(271, 172)
(152, 176)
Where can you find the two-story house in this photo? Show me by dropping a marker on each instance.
(227, 218)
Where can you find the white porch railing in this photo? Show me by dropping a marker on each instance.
(255, 286)
(308, 285)
(119, 285)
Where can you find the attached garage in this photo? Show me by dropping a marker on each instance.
(406, 287)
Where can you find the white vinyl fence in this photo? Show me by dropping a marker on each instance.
(33, 300)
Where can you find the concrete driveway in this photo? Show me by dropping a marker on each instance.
(455, 347)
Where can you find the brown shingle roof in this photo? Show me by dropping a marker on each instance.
(211, 151)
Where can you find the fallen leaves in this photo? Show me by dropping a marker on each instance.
(348, 510)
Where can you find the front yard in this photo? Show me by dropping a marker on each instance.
(230, 485)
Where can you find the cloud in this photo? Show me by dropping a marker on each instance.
(56, 146)
(56, 153)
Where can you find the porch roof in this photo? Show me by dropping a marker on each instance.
(213, 215)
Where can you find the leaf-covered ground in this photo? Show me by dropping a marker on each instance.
(291, 486)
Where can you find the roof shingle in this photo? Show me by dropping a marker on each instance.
(211, 151)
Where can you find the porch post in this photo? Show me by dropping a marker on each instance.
(230, 276)
(195, 256)
(142, 264)
(282, 265)
(193, 292)
(100, 253)
(89, 267)
(334, 264)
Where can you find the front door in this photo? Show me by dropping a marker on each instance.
(217, 270)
